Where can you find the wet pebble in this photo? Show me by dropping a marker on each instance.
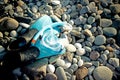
(100, 39)
(60, 62)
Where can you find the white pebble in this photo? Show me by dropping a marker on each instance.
(67, 65)
(50, 68)
(34, 9)
(71, 22)
(24, 25)
(67, 28)
(80, 51)
(55, 2)
(78, 45)
(71, 48)
(60, 62)
(64, 42)
(80, 62)
(13, 33)
(74, 60)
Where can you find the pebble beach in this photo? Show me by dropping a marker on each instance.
(92, 46)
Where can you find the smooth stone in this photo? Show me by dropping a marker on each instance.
(2, 48)
(13, 33)
(19, 10)
(10, 24)
(92, 7)
(78, 45)
(102, 73)
(88, 44)
(96, 63)
(84, 10)
(91, 77)
(8, 7)
(1, 35)
(55, 18)
(91, 39)
(71, 48)
(94, 55)
(104, 57)
(87, 64)
(60, 62)
(80, 20)
(50, 76)
(64, 17)
(55, 2)
(80, 62)
(24, 25)
(91, 20)
(81, 73)
(74, 67)
(80, 51)
(50, 68)
(34, 9)
(87, 26)
(90, 70)
(115, 8)
(85, 59)
(69, 56)
(87, 49)
(84, 2)
(71, 22)
(88, 32)
(75, 33)
(100, 39)
(105, 22)
(67, 65)
(100, 30)
(73, 77)
(114, 61)
(74, 60)
(110, 31)
(60, 73)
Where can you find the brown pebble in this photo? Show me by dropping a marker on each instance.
(110, 48)
(94, 55)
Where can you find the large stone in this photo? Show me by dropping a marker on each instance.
(110, 31)
(102, 73)
(60, 73)
(115, 8)
(100, 39)
(114, 61)
(81, 73)
(105, 22)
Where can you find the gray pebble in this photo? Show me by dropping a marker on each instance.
(100, 39)
(84, 10)
(60, 73)
(105, 22)
(91, 20)
(87, 26)
(90, 70)
(74, 67)
(88, 49)
(114, 62)
(84, 2)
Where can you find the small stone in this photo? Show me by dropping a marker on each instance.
(60, 62)
(87, 49)
(13, 33)
(105, 22)
(110, 31)
(74, 67)
(80, 20)
(100, 39)
(115, 8)
(71, 48)
(92, 7)
(50, 76)
(87, 26)
(34, 9)
(1, 35)
(87, 64)
(91, 39)
(90, 70)
(75, 33)
(91, 77)
(84, 2)
(94, 55)
(88, 32)
(114, 62)
(102, 73)
(81, 73)
(8, 7)
(78, 45)
(84, 10)
(73, 77)
(96, 63)
(80, 51)
(67, 65)
(80, 62)
(24, 25)
(20, 3)
(55, 18)
(64, 17)
(50, 68)
(60, 73)
(91, 20)
(109, 48)
(55, 2)
(104, 57)
(85, 59)
(74, 60)
(2, 49)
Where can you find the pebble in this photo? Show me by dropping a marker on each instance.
(92, 7)
(80, 20)
(73, 77)
(94, 55)
(55, 2)
(80, 51)
(87, 26)
(91, 20)
(84, 10)
(60, 62)
(78, 45)
(85, 59)
(105, 22)
(102, 73)
(50, 76)
(114, 61)
(91, 77)
(74, 60)
(50, 68)
(1, 35)
(13, 33)
(115, 8)
(90, 70)
(100, 39)
(84, 2)
(34, 9)
(71, 48)
(88, 32)
(87, 49)
(80, 62)
(96, 63)
(2, 48)
(81, 73)
(67, 65)
(24, 25)
(110, 31)
(60, 73)
(104, 57)
(74, 67)
(8, 7)
(91, 39)
(87, 64)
